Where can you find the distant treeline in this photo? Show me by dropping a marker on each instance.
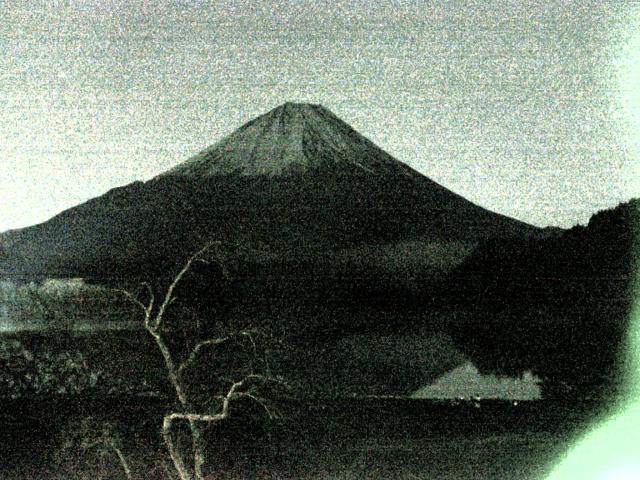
(59, 304)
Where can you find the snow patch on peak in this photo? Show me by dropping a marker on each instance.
(292, 138)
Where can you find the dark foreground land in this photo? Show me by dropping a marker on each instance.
(356, 439)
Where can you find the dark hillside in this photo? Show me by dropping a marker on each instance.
(559, 306)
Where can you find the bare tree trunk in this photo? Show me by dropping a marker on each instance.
(199, 448)
(197, 437)
(172, 371)
(166, 468)
(178, 462)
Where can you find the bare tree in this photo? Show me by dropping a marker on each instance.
(178, 366)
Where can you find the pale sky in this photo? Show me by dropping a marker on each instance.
(531, 109)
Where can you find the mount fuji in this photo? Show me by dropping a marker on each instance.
(294, 182)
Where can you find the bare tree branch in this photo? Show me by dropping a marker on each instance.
(105, 441)
(236, 392)
(123, 461)
(196, 350)
(193, 355)
(135, 300)
(233, 393)
(152, 297)
(271, 413)
(169, 294)
(147, 309)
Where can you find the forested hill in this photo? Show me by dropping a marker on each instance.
(559, 306)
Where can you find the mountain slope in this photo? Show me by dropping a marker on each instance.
(295, 182)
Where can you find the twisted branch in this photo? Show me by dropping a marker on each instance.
(239, 389)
